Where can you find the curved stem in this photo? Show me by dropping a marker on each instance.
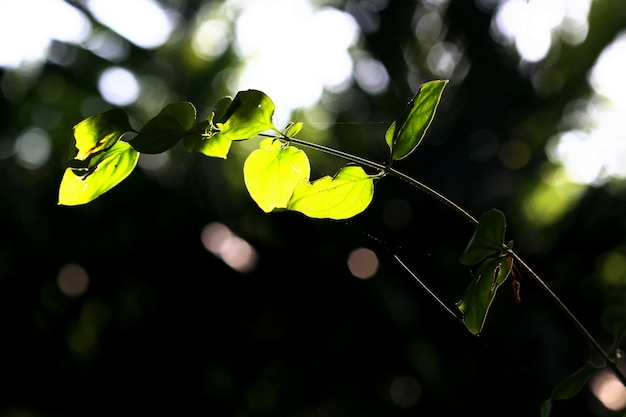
(608, 360)
(460, 210)
(463, 213)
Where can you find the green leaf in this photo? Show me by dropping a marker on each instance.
(341, 197)
(481, 292)
(219, 110)
(272, 172)
(107, 169)
(569, 387)
(405, 134)
(216, 145)
(163, 131)
(212, 143)
(97, 133)
(488, 238)
(249, 114)
(293, 128)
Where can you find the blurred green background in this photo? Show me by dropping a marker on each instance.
(173, 293)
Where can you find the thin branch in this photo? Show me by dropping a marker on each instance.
(467, 216)
(608, 360)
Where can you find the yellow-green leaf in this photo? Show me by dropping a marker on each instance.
(273, 171)
(107, 169)
(249, 114)
(98, 132)
(340, 197)
(217, 145)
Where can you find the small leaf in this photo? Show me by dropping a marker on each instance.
(217, 145)
(98, 132)
(405, 134)
(341, 197)
(163, 131)
(249, 114)
(480, 294)
(569, 387)
(272, 172)
(107, 169)
(293, 129)
(488, 238)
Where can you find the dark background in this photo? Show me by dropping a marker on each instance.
(167, 327)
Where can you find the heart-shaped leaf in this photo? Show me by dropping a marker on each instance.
(405, 134)
(107, 169)
(340, 197)
(97, 133)
(249, 114)
(488, 238)
(481, 292)
(163, 131)
(272, 172)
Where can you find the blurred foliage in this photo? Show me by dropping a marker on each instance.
(165, 326)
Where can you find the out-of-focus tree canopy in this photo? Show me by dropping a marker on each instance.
(175, 293)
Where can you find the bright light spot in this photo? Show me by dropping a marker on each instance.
(405, 391)
(292, 52)
(594, 152)
(143, 22)
(218, 239)
(607, 75)
(580, 155)
(118, 86)
(73, 280)
(28, 26)
(609, 390)
(443, 58)
(371, 75)
(210, 39)
(108, 45)
(33, 148)
(429, 27)
(363, 263)
(533, 25)
(551, 198)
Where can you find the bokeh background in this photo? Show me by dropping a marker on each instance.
(173, 293)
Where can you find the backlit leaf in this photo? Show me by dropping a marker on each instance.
(293, 128)
(272, 172)
(405, 134)
(340, 197)
(249, 114)
(217, 145)
(98, 132)
(107, 169)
